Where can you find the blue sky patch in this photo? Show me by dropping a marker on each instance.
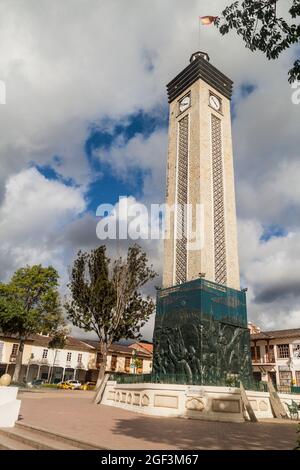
(149, 58)
(273, 231)
(247, 89)
(138, 123)
(241, 93)
(107, 187)
(51, 174)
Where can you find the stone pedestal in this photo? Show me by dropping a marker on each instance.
(193, 402)
(9, 406)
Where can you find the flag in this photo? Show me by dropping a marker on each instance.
(207, 20)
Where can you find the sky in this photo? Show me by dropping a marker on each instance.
(86, 120)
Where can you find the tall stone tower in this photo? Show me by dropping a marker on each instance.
(200, 172)
(201, 334)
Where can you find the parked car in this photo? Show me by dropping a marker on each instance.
(75, 384)
(88, 386)
(70, 385)
(64, 386)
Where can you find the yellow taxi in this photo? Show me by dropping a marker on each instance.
(64, 386)
(88, 386)
(70, 385)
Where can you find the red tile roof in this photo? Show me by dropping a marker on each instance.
(292, 333)
(148, 347)
(120, 348)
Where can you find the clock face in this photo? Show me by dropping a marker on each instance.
(215, 102)
(184, 103)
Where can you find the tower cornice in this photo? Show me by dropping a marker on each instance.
(199, 68)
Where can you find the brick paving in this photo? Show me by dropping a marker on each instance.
(72, 413)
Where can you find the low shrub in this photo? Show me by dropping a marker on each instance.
(49, 386)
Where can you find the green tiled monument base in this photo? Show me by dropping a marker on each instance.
(201, 334)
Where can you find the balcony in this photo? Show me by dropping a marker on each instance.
(266, 359)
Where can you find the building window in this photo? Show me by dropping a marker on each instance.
(257, 376)
(285, 377)
(15, 350)
(45, 353)
(69, 357)
(296, 350)
(79, 359)
(297, 375)
(283, 351)
(113, 364)
(127, 364)
(255, 352)
(270, 353)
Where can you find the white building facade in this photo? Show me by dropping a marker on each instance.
(79, 360)
(276, 356)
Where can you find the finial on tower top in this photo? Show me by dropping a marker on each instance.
(197, 54)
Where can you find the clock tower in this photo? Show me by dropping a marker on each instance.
(200, 175)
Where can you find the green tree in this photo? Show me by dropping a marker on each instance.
(106, 298)
(30, 304)
(137, 363)
(262, 28)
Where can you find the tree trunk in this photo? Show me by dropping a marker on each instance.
(101, 375)
(18, 366)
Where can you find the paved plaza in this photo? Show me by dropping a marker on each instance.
(72, 413)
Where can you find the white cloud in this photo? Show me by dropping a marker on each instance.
(271, 270)
(34, 213)
(136, 220)
(69, 63)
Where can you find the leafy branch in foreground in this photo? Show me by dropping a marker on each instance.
(261, 28)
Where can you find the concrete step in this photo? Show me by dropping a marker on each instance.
(38, 431)
(33, 440)
(8, 443)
